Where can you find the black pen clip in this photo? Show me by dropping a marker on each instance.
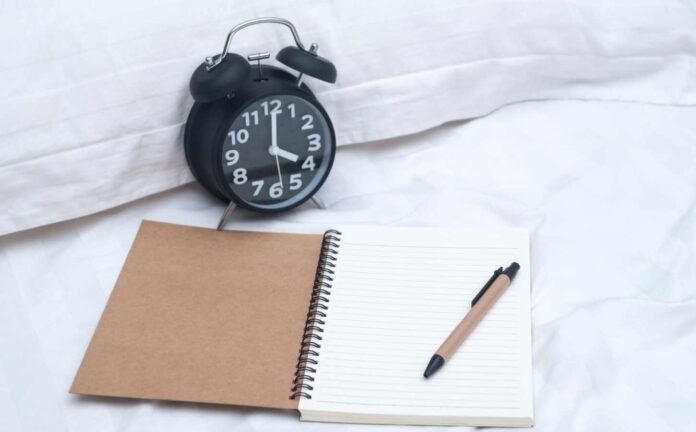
(488, 285)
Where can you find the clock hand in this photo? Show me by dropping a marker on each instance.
(274, 149)
(280, 176)
(274, 133)
(274, 146)
(286, 154)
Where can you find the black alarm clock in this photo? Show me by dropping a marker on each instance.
(256, 136)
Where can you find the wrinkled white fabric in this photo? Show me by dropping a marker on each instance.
(93, 96)
(608, 191)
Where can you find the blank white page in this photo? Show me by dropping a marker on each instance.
(397, 294)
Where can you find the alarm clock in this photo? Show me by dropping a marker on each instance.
(256, 136)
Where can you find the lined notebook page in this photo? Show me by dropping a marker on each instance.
(397, 294)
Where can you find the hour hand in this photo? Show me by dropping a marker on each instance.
(286, 154)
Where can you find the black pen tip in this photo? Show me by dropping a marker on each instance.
(511, 271)
(436, 363)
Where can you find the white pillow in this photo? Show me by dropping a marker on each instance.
(93, 96)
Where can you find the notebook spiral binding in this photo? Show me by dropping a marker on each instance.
(318, 306)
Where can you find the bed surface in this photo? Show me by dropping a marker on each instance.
(608, 191)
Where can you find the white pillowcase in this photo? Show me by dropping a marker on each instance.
(93, 96)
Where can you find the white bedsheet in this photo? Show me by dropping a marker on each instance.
(607, 189)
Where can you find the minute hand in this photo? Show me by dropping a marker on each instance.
(274, 146)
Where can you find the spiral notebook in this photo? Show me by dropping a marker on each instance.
(338, 326)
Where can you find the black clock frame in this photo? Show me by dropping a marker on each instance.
(208, 123)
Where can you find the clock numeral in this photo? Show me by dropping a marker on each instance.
(240, 176)
(241, 136)
(308, 122)
(276, 190)
(308, 163)
(232, 157)
(275, 109)
(258, 184)
(291, 107)
(314, 142)
(248, 117)
(295, 181)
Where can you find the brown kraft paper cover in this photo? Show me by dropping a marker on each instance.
(204, 316)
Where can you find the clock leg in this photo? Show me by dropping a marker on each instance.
(317, 202)
(226, 215)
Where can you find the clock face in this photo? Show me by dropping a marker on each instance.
(277, 152)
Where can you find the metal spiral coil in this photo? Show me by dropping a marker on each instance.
(318, 307)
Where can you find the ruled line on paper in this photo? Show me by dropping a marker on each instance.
(422, 247)
(362, 395)
(397, 380)
(413, 310)
(419, 405)
(369, 314)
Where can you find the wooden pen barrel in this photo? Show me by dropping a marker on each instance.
(475, 315)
